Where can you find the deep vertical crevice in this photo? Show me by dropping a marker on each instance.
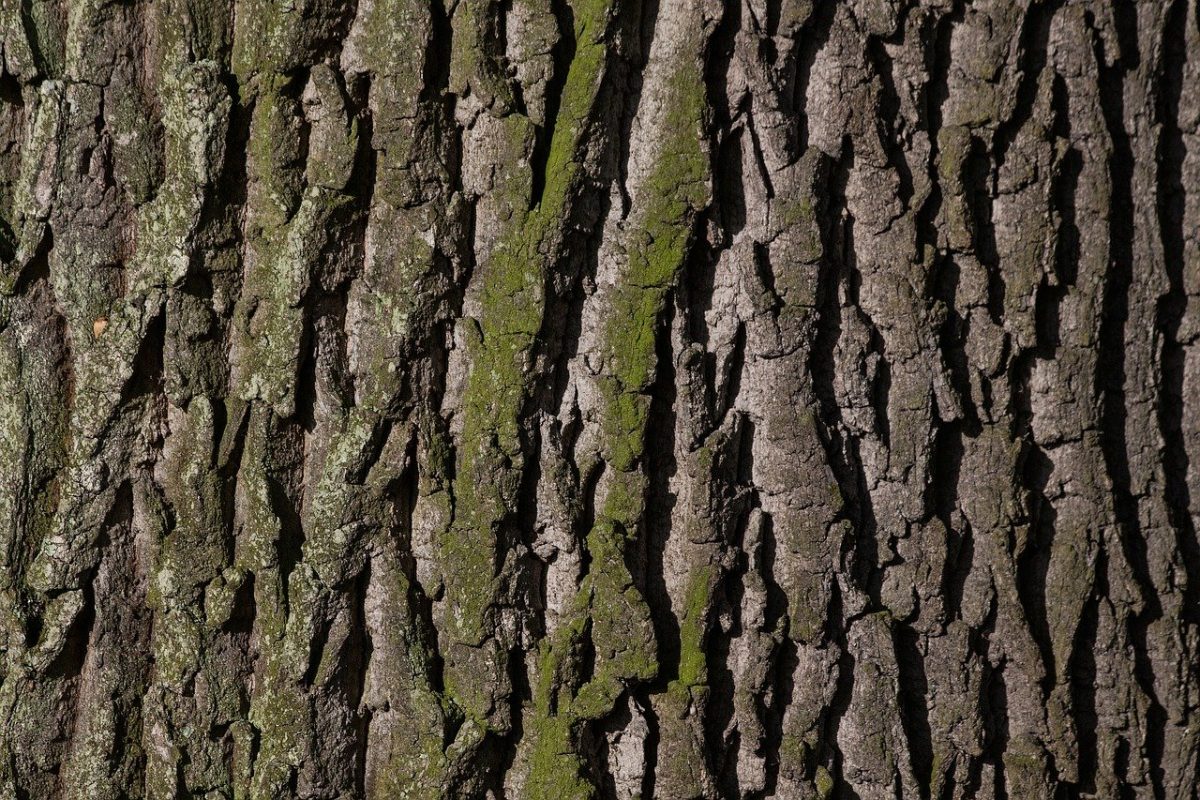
(1172, 307)
(1112, 368)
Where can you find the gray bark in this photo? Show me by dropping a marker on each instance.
(599, 398)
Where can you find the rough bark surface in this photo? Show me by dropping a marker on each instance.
(599, 398)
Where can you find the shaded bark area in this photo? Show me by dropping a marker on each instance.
(599, 399)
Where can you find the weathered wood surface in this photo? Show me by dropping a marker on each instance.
(599, 398)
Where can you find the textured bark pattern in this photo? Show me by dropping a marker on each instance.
(599, 398)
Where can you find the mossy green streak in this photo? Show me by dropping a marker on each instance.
(513, 302)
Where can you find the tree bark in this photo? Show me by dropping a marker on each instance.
(599, 399)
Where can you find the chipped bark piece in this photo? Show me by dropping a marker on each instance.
(578, 399)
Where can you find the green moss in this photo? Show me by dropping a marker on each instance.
(795, 211)
(624, 501)
(610, 615)
(656, 251)
(693, 627)
(656, 255)
(823, 782)
(1024, 773)
(621, 631)
(512, 302)
(609, 610)
(555, 767)
(937, 764)
(794, 750)
(578, 95)
(806, 624)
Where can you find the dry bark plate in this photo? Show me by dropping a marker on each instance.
(599, 399)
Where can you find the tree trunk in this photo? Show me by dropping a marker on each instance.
(599, 398)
